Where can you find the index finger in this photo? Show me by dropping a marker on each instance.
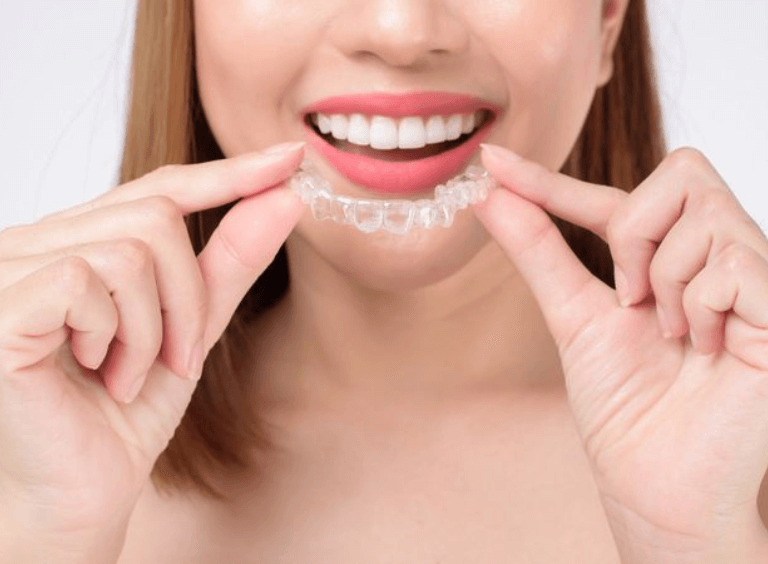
(576, 201)
(196, 187)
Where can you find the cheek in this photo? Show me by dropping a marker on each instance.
(550, 54)
(247, 55)
(566, 62)
(546, 38)
(246, 39)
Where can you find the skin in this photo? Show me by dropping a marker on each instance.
(81, 425)
(404, 309)
(574, 425)
(403, 304)
(514, 54)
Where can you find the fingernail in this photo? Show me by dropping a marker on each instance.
(665, 331)
(285, 148)
(195, 364)
(501, 153)
(134, 390)
(622, 287)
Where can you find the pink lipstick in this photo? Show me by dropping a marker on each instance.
(400, 171)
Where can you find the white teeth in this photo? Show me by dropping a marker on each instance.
(453, 127)
(359, 130)
(468, 123)
(435, 130)
(324, 124)
(386, 133)
(339, 126)
(411, 133)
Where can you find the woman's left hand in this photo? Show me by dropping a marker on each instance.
(676, 429)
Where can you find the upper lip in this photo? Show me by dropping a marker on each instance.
(401, 105)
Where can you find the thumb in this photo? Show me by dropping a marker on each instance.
(569, 296)
(240, 249)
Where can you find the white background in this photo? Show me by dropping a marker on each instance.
(64, 71)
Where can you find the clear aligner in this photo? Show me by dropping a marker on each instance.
(395, 216)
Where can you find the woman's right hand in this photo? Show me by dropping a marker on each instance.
(105, 301)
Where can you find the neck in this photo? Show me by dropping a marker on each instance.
(478, 329)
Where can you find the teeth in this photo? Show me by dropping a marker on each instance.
(324, 124)
(339, 126)
(435, 130)
(468, 123)
(453, 127)
(359, 130)
(386, 133)
(412, 134)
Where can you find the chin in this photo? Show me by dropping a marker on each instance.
(383, 261)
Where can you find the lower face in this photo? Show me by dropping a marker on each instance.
(263, 64)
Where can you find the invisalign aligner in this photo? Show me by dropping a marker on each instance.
(395, 216)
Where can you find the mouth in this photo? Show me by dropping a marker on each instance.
(392, 140)
(404, 145)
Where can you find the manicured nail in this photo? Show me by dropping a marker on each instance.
(665, 331)
(622, 287)
(501, 153)
(195, 363)
(285, 148)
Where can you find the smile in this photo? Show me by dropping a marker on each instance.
(399, 144)
(390, 139)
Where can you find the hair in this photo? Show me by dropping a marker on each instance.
(620, 144)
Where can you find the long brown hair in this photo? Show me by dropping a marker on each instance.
(620, 144)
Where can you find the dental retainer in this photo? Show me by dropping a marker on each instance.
(395, 216)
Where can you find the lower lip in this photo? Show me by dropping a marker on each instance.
(403, 177)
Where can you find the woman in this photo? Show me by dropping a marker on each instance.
(472, 393)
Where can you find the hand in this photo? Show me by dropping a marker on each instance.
(676, 430)
(89, 298)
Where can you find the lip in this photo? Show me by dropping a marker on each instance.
(401, 177)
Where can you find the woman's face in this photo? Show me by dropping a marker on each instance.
(262, 63)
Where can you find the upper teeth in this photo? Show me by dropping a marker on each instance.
(381, 132)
